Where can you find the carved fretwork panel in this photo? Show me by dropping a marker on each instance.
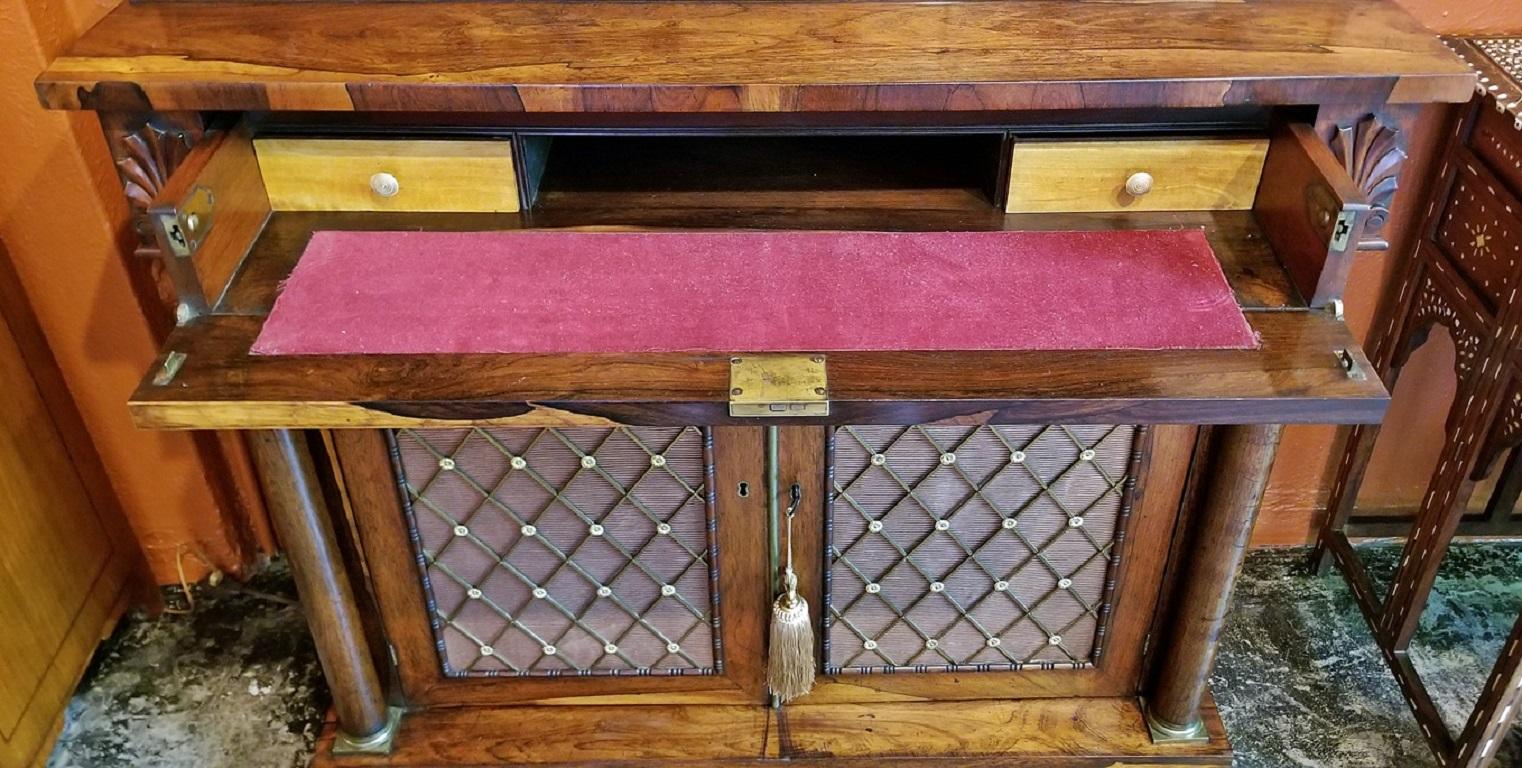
(1434, 304)
(1372, 153)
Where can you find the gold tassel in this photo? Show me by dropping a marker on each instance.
(790, 658)
(790, 663)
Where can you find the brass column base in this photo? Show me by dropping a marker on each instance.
(378, 743)
(1164, 732)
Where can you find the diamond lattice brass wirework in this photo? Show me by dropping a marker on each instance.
(973, 548)
(580, 551)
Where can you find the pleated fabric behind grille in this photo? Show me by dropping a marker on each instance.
(582, 551)
(973, 548)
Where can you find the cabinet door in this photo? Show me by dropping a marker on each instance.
(63, 565)
(585, 564)
(966, 562)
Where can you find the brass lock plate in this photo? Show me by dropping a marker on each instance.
(778, 385)
(185, 227)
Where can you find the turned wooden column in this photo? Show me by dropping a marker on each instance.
(1239, 466)
(296, 505)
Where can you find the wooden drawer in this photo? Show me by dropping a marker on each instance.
(417, 175)
(1102, 176)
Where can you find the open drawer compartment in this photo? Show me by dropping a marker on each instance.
(1293, 241)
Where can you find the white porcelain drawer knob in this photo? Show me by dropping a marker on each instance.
(385, 185)
(1139, 184)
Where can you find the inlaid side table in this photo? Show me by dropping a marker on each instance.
(1463, 275)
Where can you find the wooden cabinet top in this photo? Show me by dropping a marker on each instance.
(777, 56)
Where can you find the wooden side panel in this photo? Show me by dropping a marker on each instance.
(63, 566)
(1311, 212)
(473, 176)
(1091, 176)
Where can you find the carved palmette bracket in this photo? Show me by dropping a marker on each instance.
(1372, 154)
(147, 149)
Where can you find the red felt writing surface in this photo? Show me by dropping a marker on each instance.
(563, 291)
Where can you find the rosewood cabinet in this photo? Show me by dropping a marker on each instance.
(1011, 557)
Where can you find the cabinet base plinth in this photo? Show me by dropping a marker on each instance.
(970, 734)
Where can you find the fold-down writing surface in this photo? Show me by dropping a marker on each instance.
(632, 292)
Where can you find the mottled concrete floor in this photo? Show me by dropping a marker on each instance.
(1299, 682)
(234, 682)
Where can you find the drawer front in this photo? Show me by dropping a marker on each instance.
(469, 176)
(1480, 232)
(1140, 175)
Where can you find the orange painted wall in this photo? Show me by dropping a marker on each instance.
(1468, 17)
(65, 223)
(1397, 475)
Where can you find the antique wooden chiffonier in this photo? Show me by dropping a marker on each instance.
(568, 337)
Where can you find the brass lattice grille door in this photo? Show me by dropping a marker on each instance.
(1008, 554)
(565, 551)
(558, 562)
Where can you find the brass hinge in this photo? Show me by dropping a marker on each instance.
(778, 385)
(1349, 365)
(170, 369)
(184, 227)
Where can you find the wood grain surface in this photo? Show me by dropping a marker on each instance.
(1293, 377)
(1090, 176)
(68, 564)
(790, 56)
(304, 174)
(1089, 732)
